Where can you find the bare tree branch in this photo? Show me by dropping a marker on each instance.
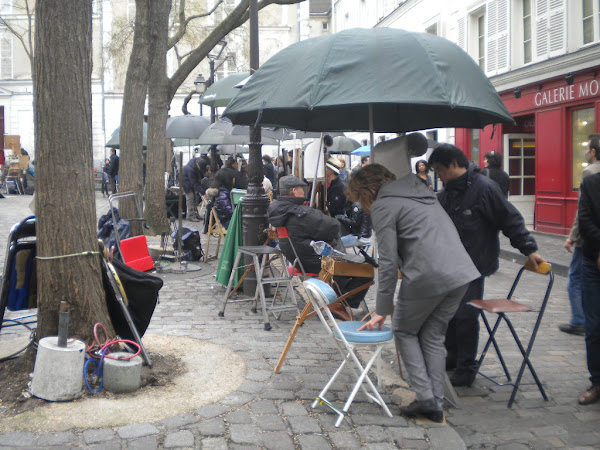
(237, 17)
(184, 22)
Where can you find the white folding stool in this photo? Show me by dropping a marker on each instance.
(347, 338)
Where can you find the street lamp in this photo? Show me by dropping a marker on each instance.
(213, 55)
(200, 86)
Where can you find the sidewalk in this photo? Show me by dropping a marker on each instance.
(273, 410)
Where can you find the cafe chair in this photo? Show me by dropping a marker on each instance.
(294, 267)
(347, 339)
(503, 308)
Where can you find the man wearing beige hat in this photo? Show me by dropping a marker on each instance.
(336, 199)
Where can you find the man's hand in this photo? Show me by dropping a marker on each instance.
(568, 245)
(535, 259)
(375, 322)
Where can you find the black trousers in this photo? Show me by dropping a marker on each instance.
(462, 336)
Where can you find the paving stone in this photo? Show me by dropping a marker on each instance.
(112, 445)
(178, 421)
(213, 444)
(269, 422)
(294, 409)
(239, 416)
(137, 430)
(380, 446)
(513, 446)
(313, 442)
(237, 399)
(371, 433)
(412, 443)
(243, 434)
(98, 435)
(445, 437)
(551, 430)
(278, 440)
(213, 427)
(145, 443)
(399, 433)
(372, 419)
(58, 438)
(304, 424)
(18, 439)
(344, 439)
(264, 407)
(183, 438)
(212, 411)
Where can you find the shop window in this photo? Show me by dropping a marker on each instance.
(481, 41)
(475, 146)
(583, 123)
(521, 166)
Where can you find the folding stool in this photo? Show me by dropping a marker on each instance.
(214, 227)
(261, 261)
(347, 338)
(502, 307)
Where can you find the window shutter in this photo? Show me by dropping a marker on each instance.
(462, 33)
(557, 41)
(550, 28)
(497, 36)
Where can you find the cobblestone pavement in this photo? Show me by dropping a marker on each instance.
(274, 410)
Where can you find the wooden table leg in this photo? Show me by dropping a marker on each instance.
(299, 321)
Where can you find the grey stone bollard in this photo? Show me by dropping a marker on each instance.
(122, 375)
(58, 371)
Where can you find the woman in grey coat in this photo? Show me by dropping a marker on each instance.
(416, 236)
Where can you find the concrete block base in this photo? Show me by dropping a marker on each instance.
(122, 375)
(58, 372)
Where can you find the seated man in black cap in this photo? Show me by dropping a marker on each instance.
(306, 224)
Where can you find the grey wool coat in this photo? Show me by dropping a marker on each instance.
(415, 235)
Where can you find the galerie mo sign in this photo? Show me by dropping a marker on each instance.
(567, 93)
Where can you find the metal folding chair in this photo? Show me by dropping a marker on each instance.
(347, 338)
(502, 307)
(295, 267)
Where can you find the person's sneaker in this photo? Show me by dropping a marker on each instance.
(463, 377)
(590, 396)
(426, 408)
(570, 329)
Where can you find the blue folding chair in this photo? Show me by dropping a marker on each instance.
(347, 338)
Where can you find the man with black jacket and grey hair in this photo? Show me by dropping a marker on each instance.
(479, 211)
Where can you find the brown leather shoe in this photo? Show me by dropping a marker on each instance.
(339, 311)
(590, 396)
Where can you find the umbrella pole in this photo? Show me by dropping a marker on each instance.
(371, 138)
(180, 209)
(314, 186)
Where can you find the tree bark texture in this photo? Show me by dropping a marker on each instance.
(132, 115)
(158, 100)
(65, 199)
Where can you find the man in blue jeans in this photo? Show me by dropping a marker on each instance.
(574, 284)
(589, 227)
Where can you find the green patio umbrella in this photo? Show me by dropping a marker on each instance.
(377, 80)
(115, 138)
(221, 92)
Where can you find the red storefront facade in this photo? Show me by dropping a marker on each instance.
(544, 152)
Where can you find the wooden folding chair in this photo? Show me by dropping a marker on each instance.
(347, 339)
(215, 228)
(503, 307)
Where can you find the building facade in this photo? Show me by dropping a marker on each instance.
(112, 26)
(543, 58)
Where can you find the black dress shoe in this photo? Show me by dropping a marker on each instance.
(570, 329)
(426, 408)
(463, 377)
(592, 395)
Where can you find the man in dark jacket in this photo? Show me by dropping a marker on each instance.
(479, 211)
(113, 171)
(493, 169)
(306, 224)
(589, 228)
(193, 172)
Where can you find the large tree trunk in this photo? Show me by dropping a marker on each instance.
(132, 115)
(65, 202)
(158, 100)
